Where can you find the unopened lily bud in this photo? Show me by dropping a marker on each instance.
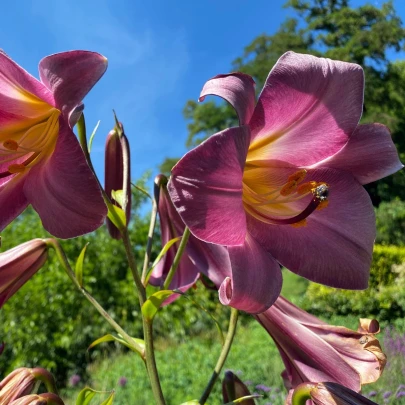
(42, 399)
(19, 264)
(118, 174)
(328, 393)
(19, 383)
(2, 345)
(233, 388)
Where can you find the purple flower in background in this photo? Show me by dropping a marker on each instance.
(400, 394)
(74, 380)
(262, 188)
(387, 394)
(372, 393)
(263, 387)
(122, 382)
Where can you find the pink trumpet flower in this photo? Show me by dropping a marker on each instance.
(118, 173)
(41, 162)
(17, 384)
(329, 393)
(286, 185)
(18, 265)
(313, 351)
(199, 257)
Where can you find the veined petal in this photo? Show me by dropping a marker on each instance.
(369, 155)
(19, 89)
(335, 247)
(63, 190)
(238, 89)
(206, 187)
(307, 110)
(12, 199)
(70, 76)
(256, 278)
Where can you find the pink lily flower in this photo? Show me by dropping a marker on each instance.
(199, 257)
(46, 398)
(330, 393)
(233, 388)
(313, 351)
(41, 162)
(18, 265)
(286, 185)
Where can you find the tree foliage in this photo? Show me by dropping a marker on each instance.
(331, 28)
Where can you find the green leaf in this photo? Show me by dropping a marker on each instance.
(137, 345)
(166, 247)
(118, 195)
(79, 265)
(217, 324)
(87, 394)
(141, 190)
(116, 215)
(192, 402)
(153, 303)
(92, 136)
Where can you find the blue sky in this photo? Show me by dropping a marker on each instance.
(160, 54)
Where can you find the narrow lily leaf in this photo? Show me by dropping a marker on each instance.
(241, 399)
(109, 400)
(160, 255)
(79, 265)
(192, 402)
(118, 196)
(116, 215)
(217, 324)
(142, 191)
(85, 396)
(92, 136)
(154, 302)
(137, 346)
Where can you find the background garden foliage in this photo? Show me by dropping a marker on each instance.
(59, 324)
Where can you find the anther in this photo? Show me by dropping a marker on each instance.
(288, 188)
(16, 168)
(10, 144)
(306, 187)
(298, 176)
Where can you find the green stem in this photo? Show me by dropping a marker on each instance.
(147, 326)
(66, 266)
(177, 258)
(222, 357)
(150, 240)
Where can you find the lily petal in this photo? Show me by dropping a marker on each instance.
(12, 200)
(335, 246)
(71, 211)
(369, 155)
(256, 278)
(238, 89)
(307, 110)
(70, 76)
(206, 187)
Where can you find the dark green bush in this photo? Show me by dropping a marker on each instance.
(390, 218)
(384, 299)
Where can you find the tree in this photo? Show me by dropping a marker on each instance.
(333, 29)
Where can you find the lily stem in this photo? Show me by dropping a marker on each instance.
(147, 326)
(223, 356)
(150, 240)
(66, 266)
(177, 258)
